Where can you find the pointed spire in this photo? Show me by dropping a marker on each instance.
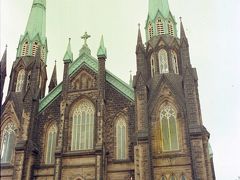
(53, 81)
(140, 45)
(102, 51)
(68, 57)
(158, 5)
(183, 37)
(37, 20)
(3, 63)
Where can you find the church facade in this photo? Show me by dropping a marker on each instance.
(92, 125)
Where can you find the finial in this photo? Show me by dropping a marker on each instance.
(85, 37)
(180, 18)
(69, 39)
(139, 25)
(55, 62)
(6, 46)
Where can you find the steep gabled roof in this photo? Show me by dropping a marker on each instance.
(92, 63)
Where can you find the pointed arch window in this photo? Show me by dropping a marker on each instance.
(170, 28)
(20, 80)
(34, 48)
(121, 138)
(25, 48)
(173, 177)
(150, 30)
(163, 178)
(160, 28)
(174, 62)
(83, 126)
(43, 53)
(153, 66)
(51, 144)
(163, 61)
(169, 128)
(183, 177)
(8, 142)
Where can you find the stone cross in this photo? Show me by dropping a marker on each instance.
(85, 37)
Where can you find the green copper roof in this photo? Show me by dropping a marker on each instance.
(92, 63)
(37, 20)
(68, 55)
(102, 51)
(158, 5)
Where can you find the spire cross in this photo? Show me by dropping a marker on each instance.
(85, 37)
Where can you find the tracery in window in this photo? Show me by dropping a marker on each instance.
(169, 128)
(170, 28)
(163, 178)
(121, 138)
(160, 28)
(8, 142)
(34, 48)
(25, 48)
(153, 66)
(174, 62)
(83, 126)
(51, 144)
(163, 61)
(20, 80)
(150, 30)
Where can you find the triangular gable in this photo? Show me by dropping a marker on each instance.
(91, 63)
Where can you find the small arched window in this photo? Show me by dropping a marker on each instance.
(83, 126)
(163, 178)
(150, 30)
(168, 122)
(173, 177)
(153, 66)
(174, 62)
(51, 144)
(163, 61)
(25, 48)
(34, 48)
(170, 28)
(160, 28)
(8, 142)
(183, 177)
(20, 80)
(121, 138)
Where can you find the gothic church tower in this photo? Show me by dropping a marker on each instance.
(171, 137)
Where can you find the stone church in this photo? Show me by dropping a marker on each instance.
(94, 126)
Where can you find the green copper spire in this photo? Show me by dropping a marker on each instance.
(37, 20)
(160, 20)
(35, 33)
(102, 51)
(68, 57)
(158, 5)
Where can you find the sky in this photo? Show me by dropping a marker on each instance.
(212, 28)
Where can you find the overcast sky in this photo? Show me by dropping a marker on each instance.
(212, 27)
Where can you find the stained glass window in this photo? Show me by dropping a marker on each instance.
(121, 138)
(169, 128)
(20, 80)
(174, 62)
(83, 126)
(51, 144)
(163, 61)
(8, 142)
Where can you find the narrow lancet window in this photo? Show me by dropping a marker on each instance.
(163, 61)
(169, 128)
(25, 48)
(34, 48)
(83, 126)
(20, 80)
(174, 62)
(121, 139)
(51, 144)
(153, 66)
(160, 28)
(170, 28)
(150, 30)
(8, 142)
